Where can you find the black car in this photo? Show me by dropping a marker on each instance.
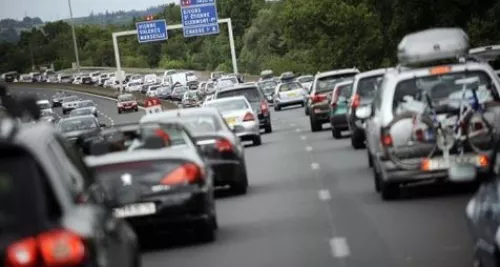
(256, 98)
(10, 77)
(52, 210)
(160, 184)
(80, 130)
(218, 143)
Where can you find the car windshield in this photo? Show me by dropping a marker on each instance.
(232, 105)
(70, 99)
(367, 87)
(201, 124)
(284, 87)
(327, 84)
(86, 104)
(442, 89)
(124, 98)
(191, 95)
(251, 93)
(81, 112)
(268, 86)
(179, 90)
(305, 79)
(77, 124)
(44, 105)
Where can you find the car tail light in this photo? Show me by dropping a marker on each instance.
(248, 117)
(355, 101)
(223, 145)
(52, 249)
(318, 98)
(385, 138)
(188, 173)
(264, 108)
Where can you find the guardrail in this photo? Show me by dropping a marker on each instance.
(203, 75)
(93, 90)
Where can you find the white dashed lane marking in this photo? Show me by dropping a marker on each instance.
(303, 137)
(309, 148)
(324, 195)
(314, 166)
(298, 130)
(111, 121)
(339, 247)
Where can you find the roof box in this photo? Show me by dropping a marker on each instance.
(433, 45)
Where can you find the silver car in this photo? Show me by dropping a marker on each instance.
(288, 94)
(89, 104)
(239, 116)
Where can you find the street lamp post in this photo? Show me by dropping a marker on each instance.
(74, 36)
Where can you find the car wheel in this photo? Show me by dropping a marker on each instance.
(268, 128)
(257, 141)
(337, 134)
(119, 111)
(307, 111)
(315, 126)
(136, 109)
(370, 159)
(241, 187)
(388, 190)
(303, 104)
(277, 108)
(207, 230)
(357, 141)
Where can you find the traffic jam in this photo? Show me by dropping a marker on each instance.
(229, 166)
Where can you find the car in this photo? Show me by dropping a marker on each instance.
(126, 102)
(57, 98)
(81, 112)
(239, 116)
(178, 93)
(288, 93)
(338, 108)
(190, 99)
(266, 75)
(48, 116)
(44, 105)
(218, 143)
(320, 95)
(268, 87)
(69, 103)
(89, 104)
(80, 128)
(153, 90)
(257, 100)
(226, 81)
(161, 185)
(145, 87)
(306, 81)
(402, 148)
(56, 216)
(363, 92)
(164, 92)
(214, 76)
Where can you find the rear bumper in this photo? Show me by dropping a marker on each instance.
(128, 108)
(264, 120)
(248, 131)
(183, 210)
(320, 114)
(289, 102)
(339, 121)
(226, 171)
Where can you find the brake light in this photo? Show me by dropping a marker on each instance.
(223, 145)
(419, 135)
(318, 98)
(248, 117)
(53, 248)
(264, 107)
(386, 140)
(188, 173)
(355, 101)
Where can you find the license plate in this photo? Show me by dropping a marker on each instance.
(442, 164)
(231, 120)
(135, 210)
(292, 94)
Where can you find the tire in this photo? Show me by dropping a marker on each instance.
(119, 111)
(303, 105)
(257, 141)
(277, 108)
(388, 191)
(268, 128)
(306, 111)
(336, 133)
(241, 187)
(315, 126)
(370, 159)
(357, 141)
(376, 180)
(136, 109)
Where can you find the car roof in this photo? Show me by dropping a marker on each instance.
(169, 114)
(43, 101)
(375, 72)
(83, 108)
(336, 72)
(228, 99)
(175, 152)
(305, 76)
(344, 83)
(79, 117)
(424, 71)
(238, 87)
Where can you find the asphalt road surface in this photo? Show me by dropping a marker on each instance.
(311, 202)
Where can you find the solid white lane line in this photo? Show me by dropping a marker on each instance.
(298, 130)
(324, 195)
(314, 166)
(303, 137)
(309, 148)
(339, 247)
(292, 124)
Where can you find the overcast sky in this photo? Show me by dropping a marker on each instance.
(49, 10)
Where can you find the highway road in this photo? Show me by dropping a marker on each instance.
(311, 202)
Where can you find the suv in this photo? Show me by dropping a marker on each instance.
(321, 93)
(403, 150)
(364, 87)
(288, 93)
(50, 204)
(255, 97)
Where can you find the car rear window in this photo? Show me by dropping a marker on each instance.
(124, 98)
(368, 86)
(25, 197)
(285, 87)
(225, 106)
(251, 93)
(327, 84)
(345, 90)
(201, 124)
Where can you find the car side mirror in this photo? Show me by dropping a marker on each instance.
(364, 112)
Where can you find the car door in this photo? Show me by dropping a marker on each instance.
(373, 124)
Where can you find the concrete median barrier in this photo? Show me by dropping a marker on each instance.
(93, 90)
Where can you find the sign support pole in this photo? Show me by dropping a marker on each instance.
(115, 36)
